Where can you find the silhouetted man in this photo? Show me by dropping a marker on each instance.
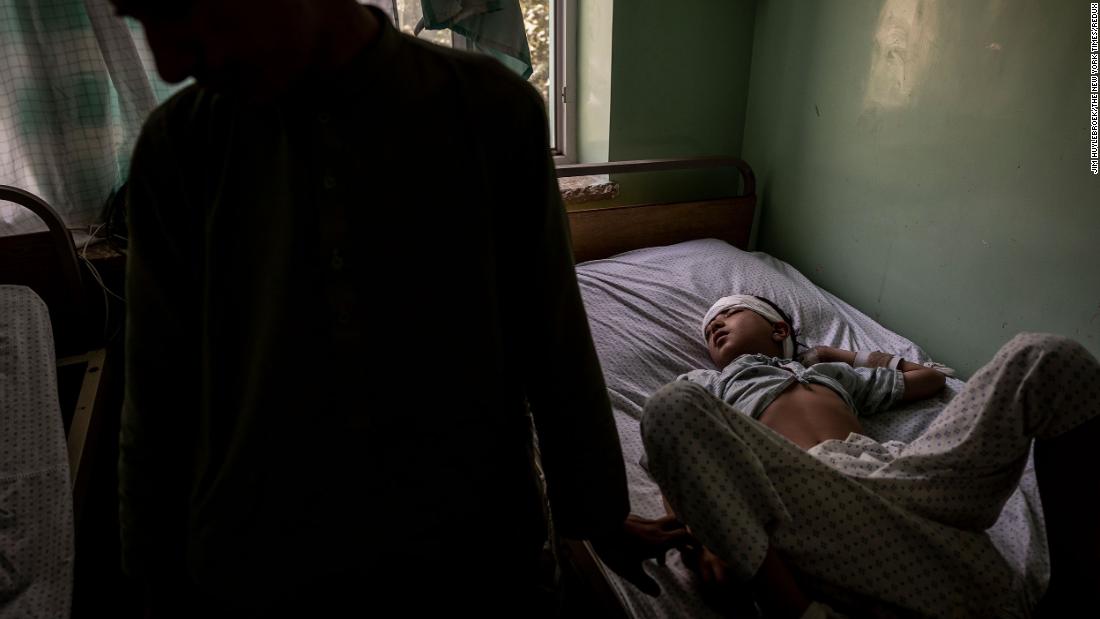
(349, 276)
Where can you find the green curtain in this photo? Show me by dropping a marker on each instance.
(76, 83)
(493, 27)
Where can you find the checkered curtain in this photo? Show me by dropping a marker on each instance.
(76, 83)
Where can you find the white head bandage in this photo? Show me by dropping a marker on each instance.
(749, 302)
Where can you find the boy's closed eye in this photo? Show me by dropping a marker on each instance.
(716, 323)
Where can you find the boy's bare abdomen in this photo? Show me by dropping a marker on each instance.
(810, 414)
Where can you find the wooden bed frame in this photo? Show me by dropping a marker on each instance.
(603, 232)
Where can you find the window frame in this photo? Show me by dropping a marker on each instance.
(563, 26)
(562, 98)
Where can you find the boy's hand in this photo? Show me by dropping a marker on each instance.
(640, 539)
(817, 354)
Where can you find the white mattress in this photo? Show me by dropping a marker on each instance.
(645, 308)
(36, 512)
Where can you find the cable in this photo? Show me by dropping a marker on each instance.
(93, 231)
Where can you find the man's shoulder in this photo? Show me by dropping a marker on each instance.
(181, 116)
(181, 105)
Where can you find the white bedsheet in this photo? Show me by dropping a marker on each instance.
(644, 309)
(36, 512)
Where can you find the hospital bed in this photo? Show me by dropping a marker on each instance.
(50, 376)
(647, 274)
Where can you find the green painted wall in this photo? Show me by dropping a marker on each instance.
(928, 162)
(679, 83)
(680, 77)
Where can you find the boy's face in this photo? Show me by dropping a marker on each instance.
(738, 331)
(253, 48)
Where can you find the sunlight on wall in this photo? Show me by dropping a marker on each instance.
(904, 43)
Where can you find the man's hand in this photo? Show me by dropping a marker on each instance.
(711, 570)
(717, 585)
(640, 539)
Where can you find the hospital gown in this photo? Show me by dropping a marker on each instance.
(902, 525)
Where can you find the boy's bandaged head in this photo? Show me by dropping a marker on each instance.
(749, 302)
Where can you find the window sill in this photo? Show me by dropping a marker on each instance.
(579, 189)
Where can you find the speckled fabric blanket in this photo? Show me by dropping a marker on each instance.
(644, 309)
(36, 511)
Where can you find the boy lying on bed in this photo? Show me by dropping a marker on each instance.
(766, 462)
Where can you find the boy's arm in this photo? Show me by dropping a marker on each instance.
(920, 382)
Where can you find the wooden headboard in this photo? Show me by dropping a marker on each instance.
(602, 232)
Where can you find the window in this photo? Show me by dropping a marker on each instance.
(560, 60)
(550, 38)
